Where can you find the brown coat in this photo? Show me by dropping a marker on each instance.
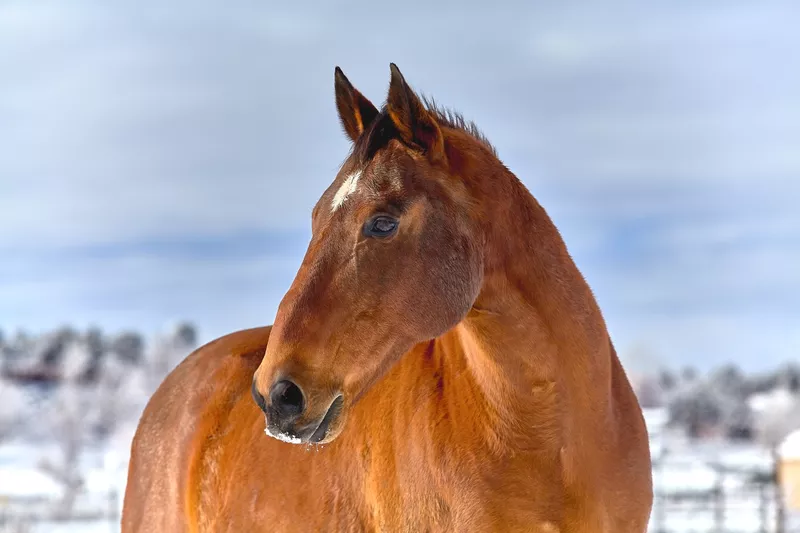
(439, 360)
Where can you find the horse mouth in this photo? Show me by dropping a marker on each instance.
(282, 436)
(306, 434)
(322, 429)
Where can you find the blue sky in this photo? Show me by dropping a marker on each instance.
(159, 162)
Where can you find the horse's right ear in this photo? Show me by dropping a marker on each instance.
(414, 123)
(355, 111)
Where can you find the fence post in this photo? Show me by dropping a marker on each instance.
(763, 507)
(659, 501)
(780, 501)
(113, 510)
(719, 499)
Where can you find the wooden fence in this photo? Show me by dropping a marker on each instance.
(735, 501)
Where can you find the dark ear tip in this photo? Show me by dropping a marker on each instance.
(341, 79)
(395, 71)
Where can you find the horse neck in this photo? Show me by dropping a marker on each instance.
(535, 327)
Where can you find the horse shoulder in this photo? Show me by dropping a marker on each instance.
(169, 449)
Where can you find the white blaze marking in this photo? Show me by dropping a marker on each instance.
(348, 187)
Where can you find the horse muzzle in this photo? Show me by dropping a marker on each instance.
(285, 410)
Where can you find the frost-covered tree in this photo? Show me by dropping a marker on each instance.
(166, 352)
(761, 383)
(122, 393)
(51, 348)
(69, 415)
(729, 381)
(85, 407)
(18, 353)
(717, 404)
(100, 387)
(128, 346)
(667, 381)
(648, 392)
(14, 408)
(185, 335)
(77, 358)
(96, 350)
(695, 409)
(788, 376)
(738, 421)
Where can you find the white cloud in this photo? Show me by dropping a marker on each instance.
(129, 122)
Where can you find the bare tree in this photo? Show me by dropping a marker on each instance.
(103, 387)
(166, 352)
(648, 391)
(696, 409)
(689, 374)
(128, 346)
(80, 412)
(69, 418)
(788, 376)
(121, 393)
(667, 380)
(728, 380)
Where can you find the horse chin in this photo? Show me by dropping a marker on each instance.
(333, 432)
(330, 425)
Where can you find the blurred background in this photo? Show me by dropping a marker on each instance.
(156, 188)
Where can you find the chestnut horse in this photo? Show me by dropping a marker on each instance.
(439, 364)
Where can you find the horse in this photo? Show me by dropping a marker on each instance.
(438, 364)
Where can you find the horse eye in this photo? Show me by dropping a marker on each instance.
(380, 226)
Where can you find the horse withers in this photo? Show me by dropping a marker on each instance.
(439, 364)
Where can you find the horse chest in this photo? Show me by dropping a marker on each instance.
(446, 493)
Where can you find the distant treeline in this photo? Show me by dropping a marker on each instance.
(69, 354)
(726, 402)
(73, 389)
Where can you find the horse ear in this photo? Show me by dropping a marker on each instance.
(414, 123)
(355, 111)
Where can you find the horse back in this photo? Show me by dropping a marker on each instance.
(173, 430)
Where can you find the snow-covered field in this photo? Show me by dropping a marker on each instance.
(28, 494)
(72, 526)
(684, 474)
(698, 487)
(64, 443)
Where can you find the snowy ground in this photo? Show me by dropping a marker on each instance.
(76, 526)
(26, 492)
(684, 473)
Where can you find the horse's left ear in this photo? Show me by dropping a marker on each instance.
(415, 124)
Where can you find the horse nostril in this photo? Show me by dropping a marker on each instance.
(287, 398)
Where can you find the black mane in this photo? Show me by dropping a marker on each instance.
(382, 130)
(453, 119)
